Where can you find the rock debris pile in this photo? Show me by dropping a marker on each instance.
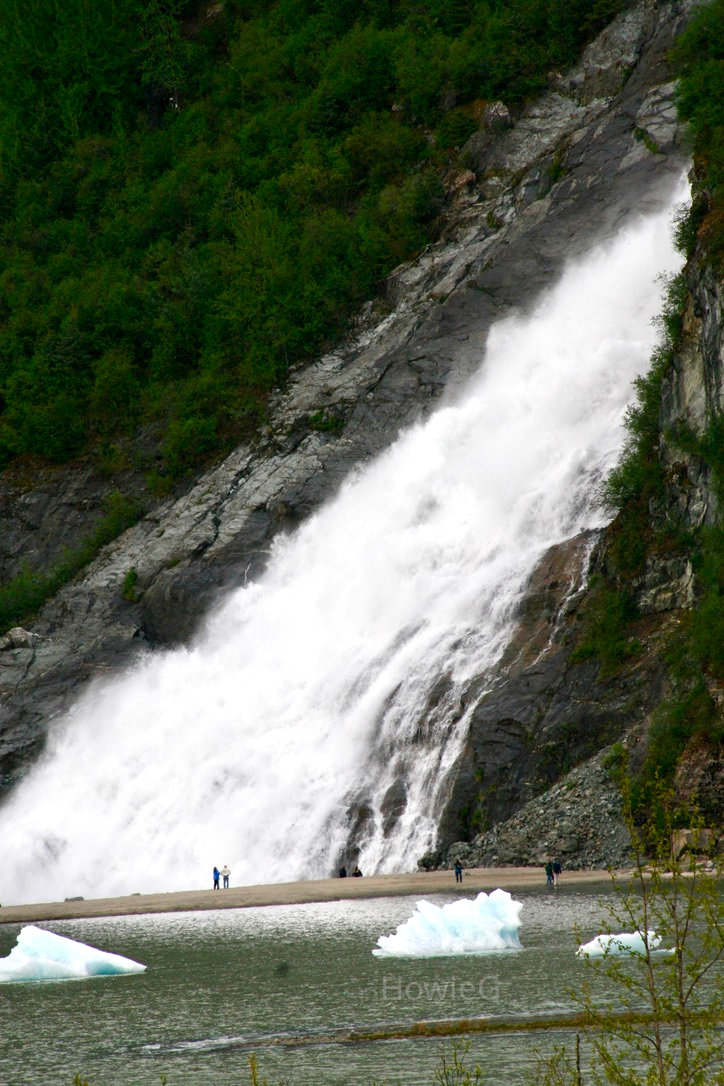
(579, 820)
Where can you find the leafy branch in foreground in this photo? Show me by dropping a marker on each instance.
(661, 1024)
(454, 1070)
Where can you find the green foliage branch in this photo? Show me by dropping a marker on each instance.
(661, 1022)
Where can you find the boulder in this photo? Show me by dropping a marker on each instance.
(18, 638)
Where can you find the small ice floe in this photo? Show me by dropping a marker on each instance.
(42, 955)
(624, 942)
(490, 922)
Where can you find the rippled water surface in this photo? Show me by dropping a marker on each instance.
(220, 985)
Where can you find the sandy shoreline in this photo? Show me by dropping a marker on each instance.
(294, 893)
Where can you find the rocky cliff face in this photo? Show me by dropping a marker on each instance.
(602, 144)
(533, 780)
(692, 398)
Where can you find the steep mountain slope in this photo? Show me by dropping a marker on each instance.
(649, 702)
(602, 144)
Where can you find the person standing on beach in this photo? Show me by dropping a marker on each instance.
(556, 872)
(549, 873)
(216, 878)
(225, 872)
(458, 871)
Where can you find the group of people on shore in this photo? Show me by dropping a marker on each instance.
(553, 872)
(552, 869)
(224, 874)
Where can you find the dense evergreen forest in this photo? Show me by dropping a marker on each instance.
(196, 196)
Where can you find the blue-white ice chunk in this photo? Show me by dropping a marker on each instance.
(490, 922)
(625, 942)
(43, 955)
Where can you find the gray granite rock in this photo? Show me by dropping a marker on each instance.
(18, 638)
(570, 170)
(547, 714)
(579, 821)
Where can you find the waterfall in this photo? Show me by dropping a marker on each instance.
(338, 678)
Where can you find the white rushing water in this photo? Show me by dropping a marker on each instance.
(310, 691)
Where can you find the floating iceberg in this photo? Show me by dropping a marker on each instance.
(624, 943)
(490, 922)
(42, 955)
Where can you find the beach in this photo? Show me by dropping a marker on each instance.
(418, 883)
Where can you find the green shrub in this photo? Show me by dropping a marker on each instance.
(114, 401)
(454, 128)
(699, 60)
(648, 141)
(380, 148)
(606, 627)
(707, 629)
(128, 588)
(691, 714)
(326, 422)
(616, 762)
(699, 57)
(23, 596)
(637, 483)
(187, 441)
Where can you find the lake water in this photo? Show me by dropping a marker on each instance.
(220, 985)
